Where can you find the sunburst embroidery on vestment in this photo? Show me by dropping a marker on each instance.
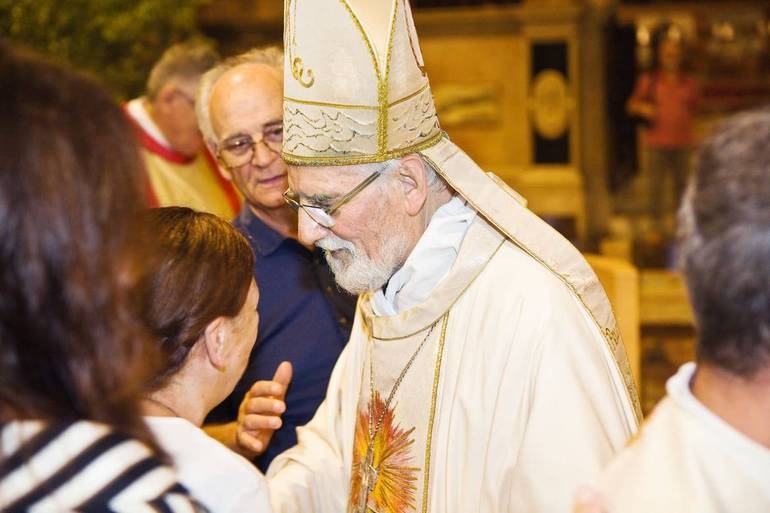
(388, 473)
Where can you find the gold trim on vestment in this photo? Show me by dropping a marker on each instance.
(432, 415)
(382, 89)
(340, 160)
(628, 379)
(305, 77)
(409, 96)
(357, 107)
(330, 104)
(365, 37)
(448, 308)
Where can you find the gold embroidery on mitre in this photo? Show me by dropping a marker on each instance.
(305, 77)
(314, 133)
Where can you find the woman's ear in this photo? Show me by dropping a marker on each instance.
(413, 177)
(214, 343)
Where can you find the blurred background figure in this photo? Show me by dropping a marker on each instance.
(180, 169)
(72, 357)
(665, 99)
(304, 317)
(706, 446)
(199, 300)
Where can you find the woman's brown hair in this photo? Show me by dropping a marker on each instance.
(194, 267)
(69, 183)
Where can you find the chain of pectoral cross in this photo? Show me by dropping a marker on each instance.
(370, 473)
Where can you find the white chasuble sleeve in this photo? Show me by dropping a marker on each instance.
(529, 407)
(314, 475)
(575, 421)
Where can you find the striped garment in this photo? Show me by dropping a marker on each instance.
(83, 466)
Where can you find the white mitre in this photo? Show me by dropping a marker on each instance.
(355, 88)
(355, 91)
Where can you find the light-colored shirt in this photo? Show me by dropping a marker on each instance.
(687, 459)
(220, 479)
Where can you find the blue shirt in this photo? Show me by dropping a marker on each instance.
(303, 318)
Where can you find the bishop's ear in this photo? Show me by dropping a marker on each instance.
(214, 342)
(413, 177)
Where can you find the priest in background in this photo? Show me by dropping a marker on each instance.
(485, 371)
(706, 447)
(180, 169)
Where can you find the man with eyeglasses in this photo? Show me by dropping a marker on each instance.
(180, 169)
(305, 318)
(485, 371)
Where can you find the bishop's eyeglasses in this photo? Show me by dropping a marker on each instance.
(238, 150)
(324, 215)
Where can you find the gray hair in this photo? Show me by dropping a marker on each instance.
(436, 182)
(270, 55)
(185, 61)
(724, 237)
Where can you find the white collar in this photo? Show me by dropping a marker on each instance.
(137, 110)
(429, 261)
(678, 389)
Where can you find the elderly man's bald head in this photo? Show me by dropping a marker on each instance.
(271, 57)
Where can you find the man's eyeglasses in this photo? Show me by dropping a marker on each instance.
(323, 215)
(239, 150)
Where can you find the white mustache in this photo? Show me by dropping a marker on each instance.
(333, 243)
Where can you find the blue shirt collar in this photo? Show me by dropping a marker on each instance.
(264, 240)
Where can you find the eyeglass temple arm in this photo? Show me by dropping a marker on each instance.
(355, 191)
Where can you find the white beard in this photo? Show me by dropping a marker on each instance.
(355, 271)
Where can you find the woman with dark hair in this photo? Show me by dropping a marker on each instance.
(72, 358)
(196, 293)
(667, 98)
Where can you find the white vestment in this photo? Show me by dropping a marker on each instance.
(687, 459)
(513, 401)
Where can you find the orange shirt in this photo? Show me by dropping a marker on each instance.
(676, 100)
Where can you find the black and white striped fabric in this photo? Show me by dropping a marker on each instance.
(83, 466)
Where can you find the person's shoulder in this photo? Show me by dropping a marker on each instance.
(204, 465)
(657, 459)
(522, 276)
(223, 479)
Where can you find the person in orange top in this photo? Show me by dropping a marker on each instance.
(666, 98)
(180, 169)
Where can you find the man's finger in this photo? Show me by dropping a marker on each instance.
(283, 374)
(267, 389)
(250, 442)
(263, 406)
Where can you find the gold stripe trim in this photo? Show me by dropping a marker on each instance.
(451, 305)
(383, 89)
(357, 107)
(365, 37)
(329, 104)
(339, 160)
(432, 415)
(630, 386)
(410, 96)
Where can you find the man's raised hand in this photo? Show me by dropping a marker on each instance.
(260, 412)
